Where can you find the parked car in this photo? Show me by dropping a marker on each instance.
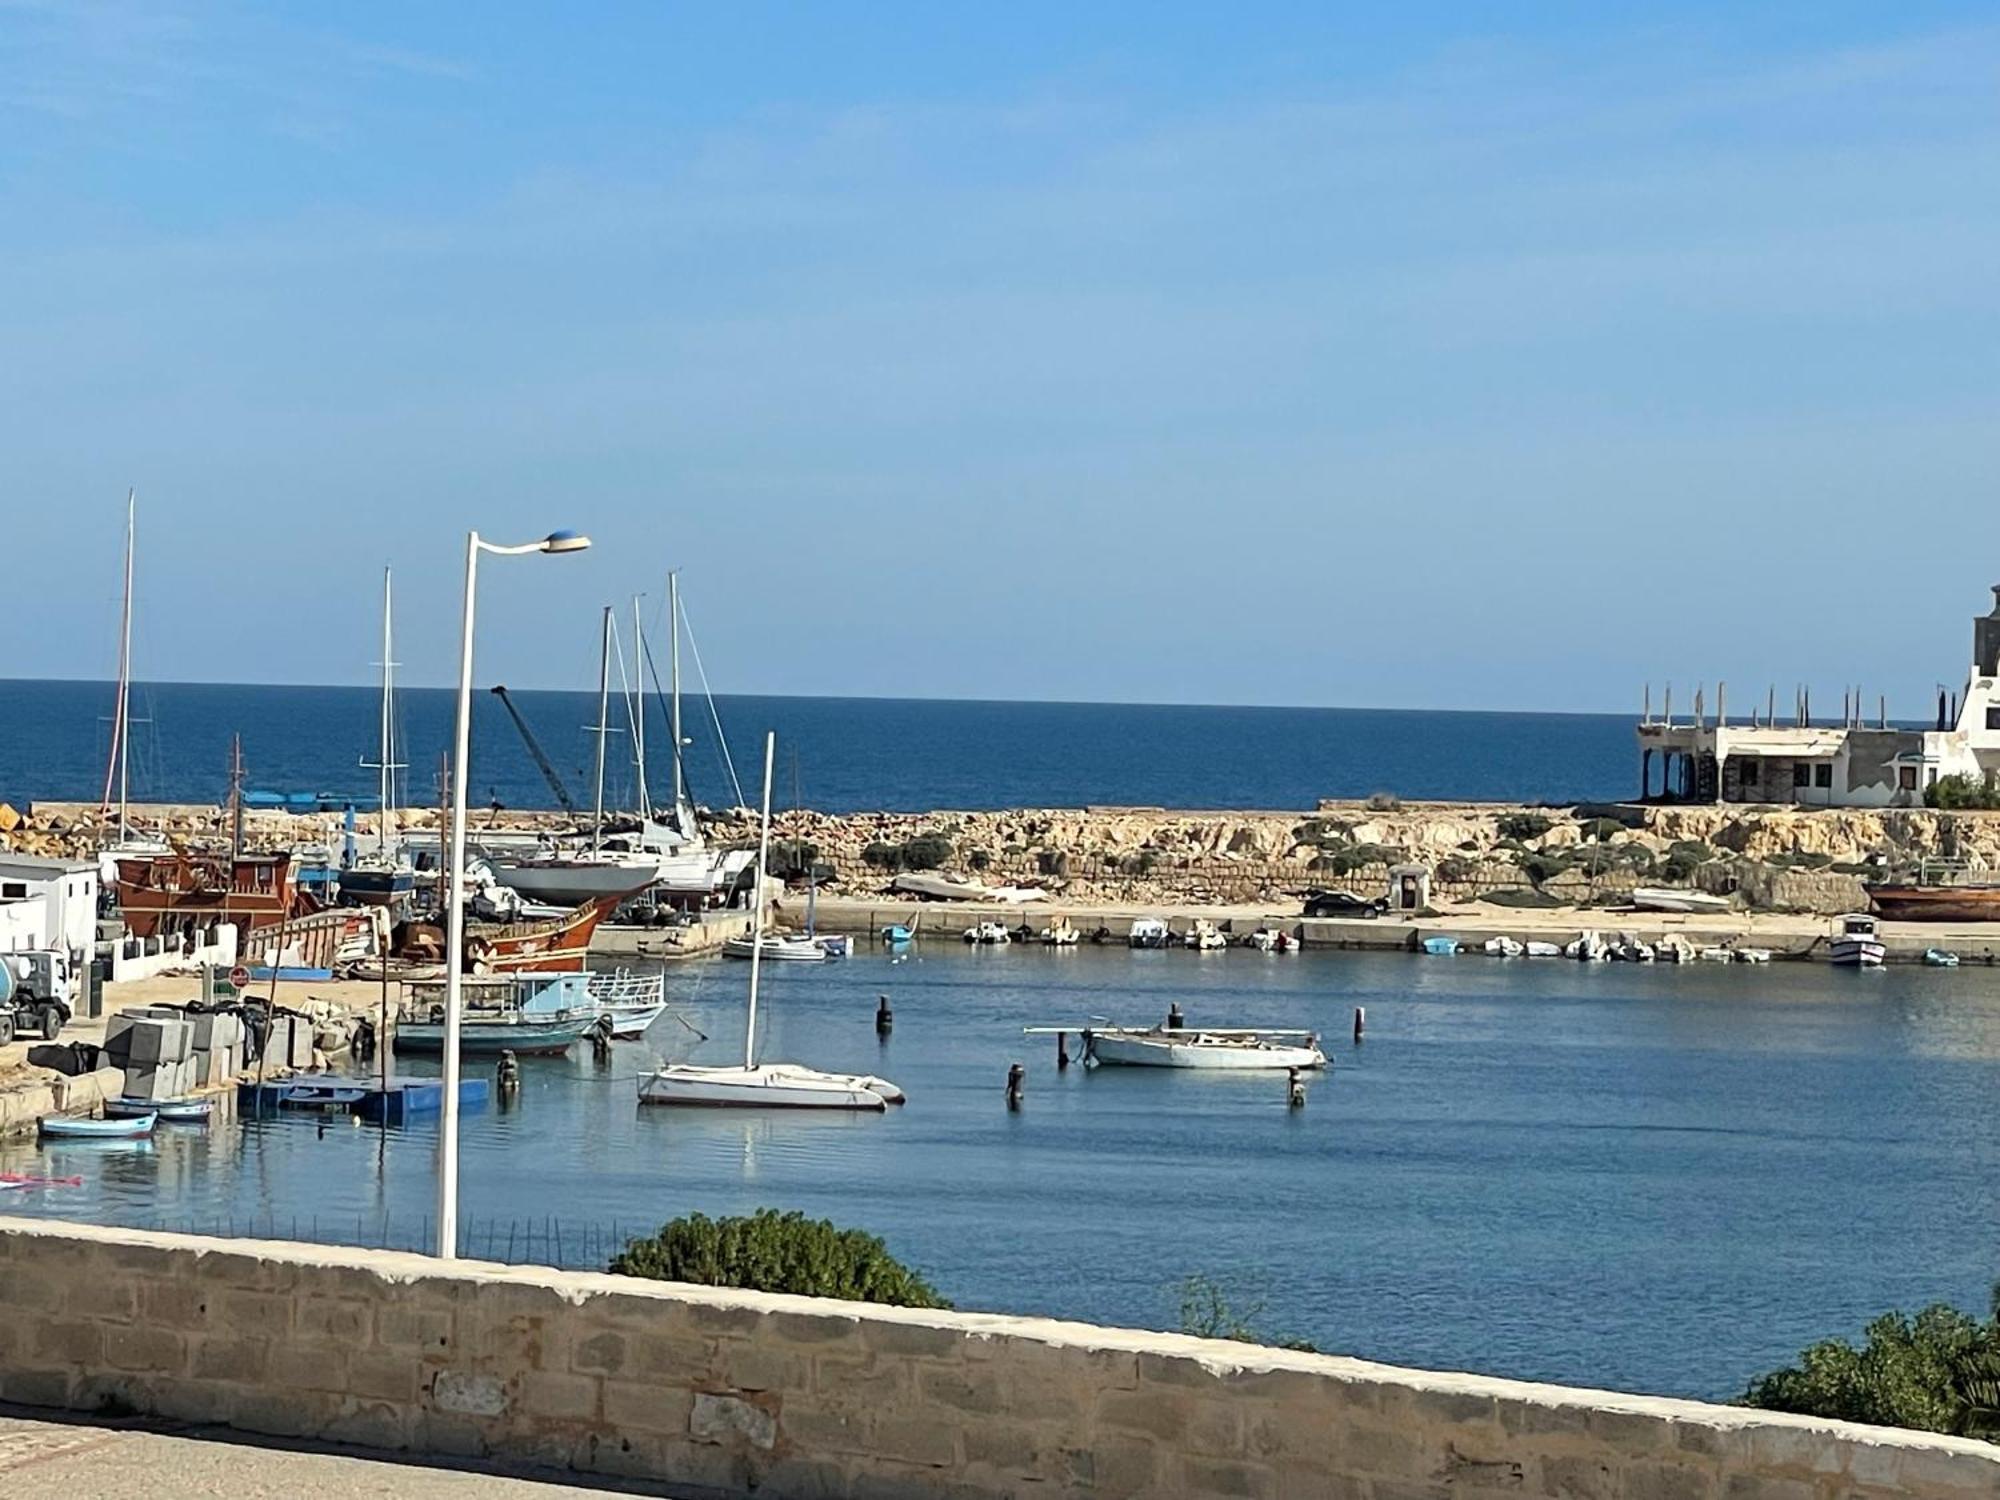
(1344, 904)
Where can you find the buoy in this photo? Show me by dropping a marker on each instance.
(1360, 1021)
(1017, 1079)
(1296, 1088)
(1174, 1019)
(1062, 1050)
(507, 1076)
(885, 1018)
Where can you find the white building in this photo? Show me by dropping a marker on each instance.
(48, 903)
(1850, 764)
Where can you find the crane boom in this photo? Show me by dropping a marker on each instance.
(542, 762)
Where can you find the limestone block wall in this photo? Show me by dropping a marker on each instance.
(734, 1393)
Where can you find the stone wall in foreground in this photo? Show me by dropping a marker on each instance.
(738, 1393)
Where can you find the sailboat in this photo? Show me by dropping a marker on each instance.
(758, 1085)
(384, 875)
(118, 764)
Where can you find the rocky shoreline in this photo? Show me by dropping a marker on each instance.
(1762, 858)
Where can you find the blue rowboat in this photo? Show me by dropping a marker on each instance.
(174, 1111)
(1441, 947)
(64, 1127)
(320, 1096)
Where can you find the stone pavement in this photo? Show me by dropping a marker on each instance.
(87, 1458)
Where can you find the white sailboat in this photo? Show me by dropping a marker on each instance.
(1213, 1048)
(118, 765)
(758, 1085)
(384, 875)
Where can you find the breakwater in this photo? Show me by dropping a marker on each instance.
(735, 1393)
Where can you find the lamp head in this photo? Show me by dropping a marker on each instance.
(565, 541)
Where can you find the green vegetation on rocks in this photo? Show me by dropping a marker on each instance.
(770, 1251)
(1962, 793)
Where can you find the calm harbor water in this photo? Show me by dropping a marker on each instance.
(855, 754)
(1654, 1178)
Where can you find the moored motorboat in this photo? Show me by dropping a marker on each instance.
(304, 1094)
(786, 948)
(526, 1014)
(989, 932)
(1858, 944)
(1537, 948)
(169, 1111)
(631, 1002)
(1674, 949)
(1753, 955)
(113, 1128)
(1059, 934)
(1940, 958)
(1441, 947)
(1502, 946)
(1224, 1049)
(1149, 932)
(1204, 937)
(1587, 946)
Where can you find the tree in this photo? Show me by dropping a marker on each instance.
(1961, 791)
(1938, 1371)
(926, 851)
(770, 1251)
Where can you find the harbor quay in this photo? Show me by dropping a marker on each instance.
(723, 1393)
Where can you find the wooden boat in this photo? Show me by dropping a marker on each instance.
(1858, 945)
(1936, 903)
(70, 1128)
(757, 1085)
(538, 947)
(792, 948)
(172, 894)
(170, 1111)
(1227, 1049)
(533, 1015)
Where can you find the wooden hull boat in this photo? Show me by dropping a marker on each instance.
(526, 1036)
(176, 893)
(539, 947)
(766, 1086)
(1936, 903)
(131, 1127)
(798, 949)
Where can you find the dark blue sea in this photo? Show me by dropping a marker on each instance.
(852, 754)
(1653, 1177)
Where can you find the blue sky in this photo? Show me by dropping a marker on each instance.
(1426, 355)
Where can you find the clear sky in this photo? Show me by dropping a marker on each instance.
(1415, 354)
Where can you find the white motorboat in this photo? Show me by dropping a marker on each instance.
(1672, 898)
(1859, 943)
(1536, 948)
(837, 945)
(631, 1001)
(784, 948)
(756, 1085)
(1753, 955)
(1060, 934)
(1587, 946)
(1204, 937)
(1674, 949)
(1503, 946)
(1225, 1049)
(1632, 949)
(989, 932)
(1271, 940)
(1150, 932)
(1717, 955)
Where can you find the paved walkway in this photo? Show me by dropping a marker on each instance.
(84, 1458)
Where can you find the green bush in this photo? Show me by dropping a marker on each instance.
(1383, 802)
(879, 856)
(1456, 871)
(925, 852)
(1208, 1313)
(1962, 792)
(978, 859)
(777, 1252)
(1684, 857)
(1052, 862)
(1602, 830)
(1521, 826)
(792, 858)
(1544, 865)
(1938, 1371)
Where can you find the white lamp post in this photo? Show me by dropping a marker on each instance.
(454, 959)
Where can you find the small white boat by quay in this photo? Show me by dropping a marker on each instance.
(1204, 937)
(1671, 898)
(1150, 932)
(1230, 1049)
(1536, 948)
(1858, 944)
(788, 948)
(990, 933)
(1060, 934)
(1587, 946)
(1503, 946)
(1271, 940)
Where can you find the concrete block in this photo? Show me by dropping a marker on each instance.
(165, 1080)
(154, 1040)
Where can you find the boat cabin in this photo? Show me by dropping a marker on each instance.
(1859, 925)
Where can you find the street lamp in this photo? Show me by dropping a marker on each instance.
(454, 958)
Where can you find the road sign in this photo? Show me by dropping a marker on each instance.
(239, 977)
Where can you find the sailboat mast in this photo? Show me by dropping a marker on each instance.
(388, 747)
(603, 727)
(757, 906)
(681, 821)
(117, 767)
(639, 710)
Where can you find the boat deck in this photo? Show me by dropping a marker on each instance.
(394, 1103)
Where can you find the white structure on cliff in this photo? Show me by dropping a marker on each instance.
(1849, 764)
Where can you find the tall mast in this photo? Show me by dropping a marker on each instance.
(681, 821)
(388, 752)
(116, 768)
(757, 906)
(236, 796)
(639, 710)
(603, 727)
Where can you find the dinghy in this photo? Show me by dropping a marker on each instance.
(1441, 947)
(1940, 958)
(757, 1085)
(793, 948)
(170, 1111)
(1504, 947)
(71, 1128)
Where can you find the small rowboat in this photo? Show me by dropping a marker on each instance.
(170, 1111)
(320, 1096)
(65, 1127)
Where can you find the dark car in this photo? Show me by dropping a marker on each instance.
(1344, 904)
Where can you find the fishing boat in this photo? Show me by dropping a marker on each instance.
(783, 948)
(170, 1111)
(631, 1002)
(544, 946)
(757, 1085)
(1673, 898)
(73, 1128)
(1441, 947)
(527, 1014)
(1936, 903)
(1940, 958)
(170, 895)
(1223, 1049)
(992, 933)
(1150, 932)
(1503, 946)
(1858, 945)
(1204, 937)
(327, 1096)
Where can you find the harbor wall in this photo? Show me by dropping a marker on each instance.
(729, 1393)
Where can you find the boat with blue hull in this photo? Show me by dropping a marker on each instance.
(169, 1111)
(68, 1128)
(531, 1015)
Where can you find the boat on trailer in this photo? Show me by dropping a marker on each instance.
(761, 1085)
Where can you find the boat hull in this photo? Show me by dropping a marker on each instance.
(1936, 903)
(117, 1128)
(1856, 953)
(489, 1038)
(1661, 898)
(801, 950)
(771, 1086)
(1169, 1052)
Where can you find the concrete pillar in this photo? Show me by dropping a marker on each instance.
(1645, 773)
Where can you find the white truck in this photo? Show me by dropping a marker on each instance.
(36, 994)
